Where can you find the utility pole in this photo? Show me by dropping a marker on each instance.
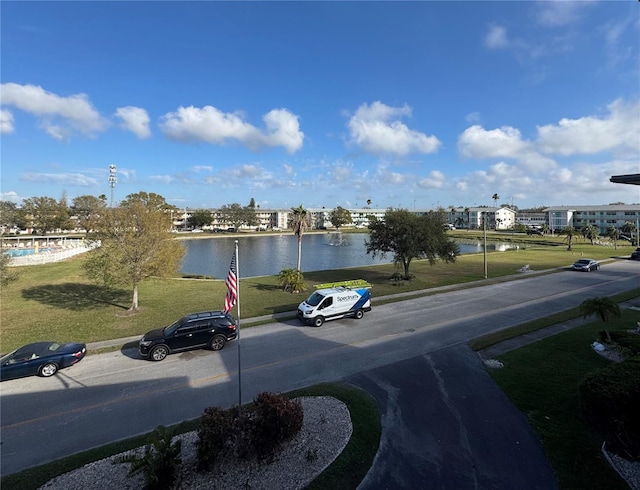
(484, 228)
(112, 180)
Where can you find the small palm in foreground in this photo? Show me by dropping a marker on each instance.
(159, 462)
(291, 280)
(604, 308)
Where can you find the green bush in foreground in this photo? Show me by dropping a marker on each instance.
(159, 462)
(259, 432)
(610, 399)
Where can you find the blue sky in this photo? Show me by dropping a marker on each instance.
(412, 105)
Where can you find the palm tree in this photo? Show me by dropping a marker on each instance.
(604, 308)
(614, 234)
(468, 211)
(570, 232)
(495, 198)
(630, 228)
(590, 232)
(299, 222)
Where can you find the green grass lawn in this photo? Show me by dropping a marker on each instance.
(542, 380)
(57, 302)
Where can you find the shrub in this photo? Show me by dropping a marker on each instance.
(610, 400)
(273, 420)
(629, 341)
(265, 425)
(291, 280)
(217, 435)
(160, 460)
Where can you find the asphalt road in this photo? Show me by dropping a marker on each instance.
(111, 396)
(447, 425)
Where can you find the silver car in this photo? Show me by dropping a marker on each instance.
(586, 265)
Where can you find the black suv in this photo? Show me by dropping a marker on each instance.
(205, 329)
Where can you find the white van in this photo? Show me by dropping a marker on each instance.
(336, 300)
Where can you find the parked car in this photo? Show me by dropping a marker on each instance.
(635, 255)
(212, 329)
(586, 265)
(40, 358)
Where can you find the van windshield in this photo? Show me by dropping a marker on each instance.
(314, 299)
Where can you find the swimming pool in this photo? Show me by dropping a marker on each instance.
(21, 252)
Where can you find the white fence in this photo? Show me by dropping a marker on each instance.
(54, 254)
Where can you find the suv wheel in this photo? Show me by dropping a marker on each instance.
(159, 352)
(217, 342)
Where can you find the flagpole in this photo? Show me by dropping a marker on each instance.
(238, 337)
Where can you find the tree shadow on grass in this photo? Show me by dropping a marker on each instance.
(76, 296)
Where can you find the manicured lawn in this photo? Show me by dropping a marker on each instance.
(542, 380)
(57, 302)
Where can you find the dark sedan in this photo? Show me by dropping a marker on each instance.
(586, 265)
(40, 358)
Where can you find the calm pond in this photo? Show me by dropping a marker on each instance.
(267, 255)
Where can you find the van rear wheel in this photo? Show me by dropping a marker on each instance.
(318, 321)
(359, 314)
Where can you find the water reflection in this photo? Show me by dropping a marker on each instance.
(269, 254)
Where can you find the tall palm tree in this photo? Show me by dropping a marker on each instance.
(299, 222)
(604, 308)
(468, 211)
(590, 232)
(495, 198)
(570, 232)
(614, 234)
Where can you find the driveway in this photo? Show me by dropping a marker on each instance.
(447, 425)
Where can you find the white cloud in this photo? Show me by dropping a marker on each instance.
(162, 179)
(617, 132)
(288, 169)
(560, 12)
(496, 38)
(213, 126)
(341, 172)
(390, 178)
(134, 119)
(10, 196)
(377, 129)
(473, 117)
(477, 142)
(73, 179)
(202, 168)
(59, 116)
(435, 180)
(6, 122)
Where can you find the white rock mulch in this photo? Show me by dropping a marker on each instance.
(325, 432)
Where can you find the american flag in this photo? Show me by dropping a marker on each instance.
(232, 286)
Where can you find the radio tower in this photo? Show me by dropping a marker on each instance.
(112, 180)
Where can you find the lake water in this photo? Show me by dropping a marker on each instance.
(267, 255)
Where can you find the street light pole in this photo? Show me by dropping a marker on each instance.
(484, 228)
(112, 180)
